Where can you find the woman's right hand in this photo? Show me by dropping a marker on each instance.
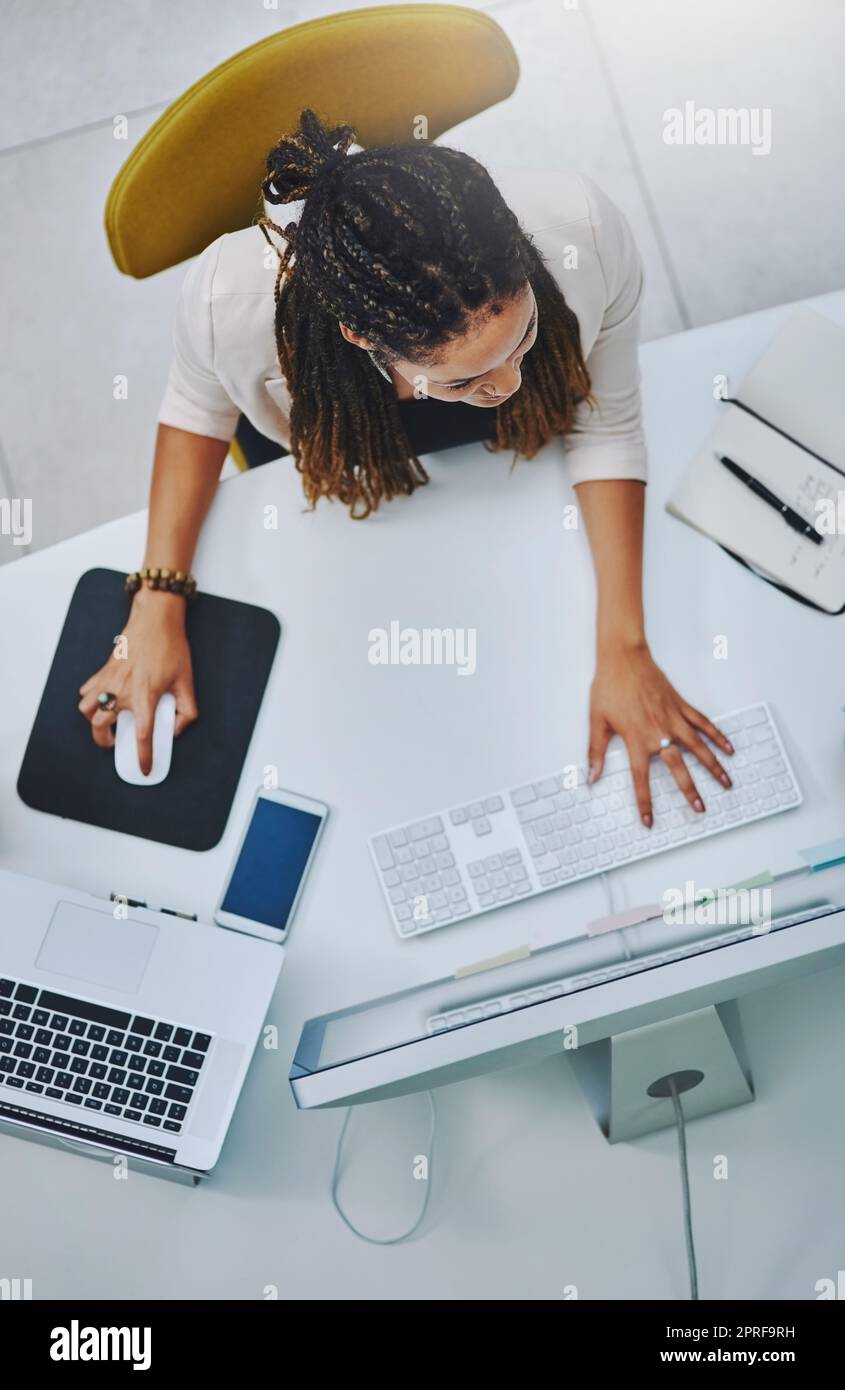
(153, 658)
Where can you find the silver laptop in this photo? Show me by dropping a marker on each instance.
(124, 1030)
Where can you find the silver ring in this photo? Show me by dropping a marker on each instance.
(665, 743)
(106, 700)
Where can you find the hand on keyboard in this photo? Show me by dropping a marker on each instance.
(631, 696)
(515, 842)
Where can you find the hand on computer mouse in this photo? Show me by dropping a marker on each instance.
(157, 659)
(631, 696)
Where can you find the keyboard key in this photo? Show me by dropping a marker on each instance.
(193, 1059)
(181, 1093)
(142, 1025)
(177, 1112)
(76, 1028)
(458, 816)
(96, 1032)
(7, 989)
(182, 1037)
(152, 1120)
(184, 1075)
(383, 852)
(201, 1042)
(40, 1017)
(21, 1011)
(164, 1032)
(120, 1096)
(134, 1043)
(482, 826)
(26, 993)
(172, 1126)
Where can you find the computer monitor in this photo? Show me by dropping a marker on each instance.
(525, 1007)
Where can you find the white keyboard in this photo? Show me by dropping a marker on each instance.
(544, 834)
(553, 989)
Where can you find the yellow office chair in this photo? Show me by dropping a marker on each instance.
(197, 172)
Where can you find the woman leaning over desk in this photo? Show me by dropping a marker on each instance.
(409, 263)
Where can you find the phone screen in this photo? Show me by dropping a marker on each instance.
(266, 878)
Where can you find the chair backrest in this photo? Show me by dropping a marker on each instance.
(198, 170)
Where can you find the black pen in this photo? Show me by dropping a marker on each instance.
(792, 518)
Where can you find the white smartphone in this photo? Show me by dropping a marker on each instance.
(273, 858)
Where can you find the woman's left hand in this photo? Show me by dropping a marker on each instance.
(630, 696)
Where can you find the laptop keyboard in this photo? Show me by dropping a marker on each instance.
(128, 1066)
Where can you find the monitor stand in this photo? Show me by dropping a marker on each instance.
(705, 1047)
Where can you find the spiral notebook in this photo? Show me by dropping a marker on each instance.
(785, 425)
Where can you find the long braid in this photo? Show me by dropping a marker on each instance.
(403, 245)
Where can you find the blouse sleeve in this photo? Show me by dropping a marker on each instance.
(195, 399)
(607, 440)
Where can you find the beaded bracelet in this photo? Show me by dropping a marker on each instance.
(172, 581)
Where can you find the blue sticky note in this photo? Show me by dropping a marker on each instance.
(823, 856)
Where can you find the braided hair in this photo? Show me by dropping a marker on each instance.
(408, 246)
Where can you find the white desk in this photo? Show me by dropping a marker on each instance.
(480, 547)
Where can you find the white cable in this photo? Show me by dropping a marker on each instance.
(608, 880)
(682, 1155)
(337, 1174)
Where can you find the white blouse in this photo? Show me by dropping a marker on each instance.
(225, 361)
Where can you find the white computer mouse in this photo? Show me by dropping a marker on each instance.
(126, 745)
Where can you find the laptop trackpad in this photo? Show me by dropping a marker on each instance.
(94, 946)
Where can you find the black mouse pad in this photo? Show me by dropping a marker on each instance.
(66, 774)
